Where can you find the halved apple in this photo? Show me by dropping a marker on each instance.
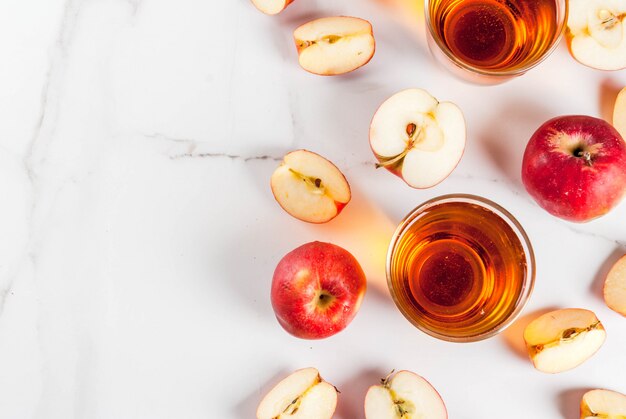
(334, 45)
(417, 137)
(404, 395)
(615, 287)
(596, 33)
(271, 7)
(603, 404)
(563, 339)
(619, 113)
(301, 395)
(309, 187)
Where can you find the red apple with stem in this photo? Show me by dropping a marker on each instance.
(317, 290)
(575, 167)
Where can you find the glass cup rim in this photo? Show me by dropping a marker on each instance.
(527, 285)
(563, 6)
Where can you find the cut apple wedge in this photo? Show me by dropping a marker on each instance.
(417, 137)
(404, 395)
(603, 404)
(619, 113)
(563, 339)
(271, 7)
(615, 287)
(309, 187)
(334, 45)
(596, 33)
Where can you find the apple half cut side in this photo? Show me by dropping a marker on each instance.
(404, 395)
(603, 404)
(309, 187)
(615, 287)
(334, 45)
(418, 138)
(271, 7)
(619, 113)
(596, 33)
(301, 395)
(563, 339)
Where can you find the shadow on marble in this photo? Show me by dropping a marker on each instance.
(513, 336)
(609, 89)
(569, 402)
(350, 403)
(507, 134)
(246, 408)
(597, 286)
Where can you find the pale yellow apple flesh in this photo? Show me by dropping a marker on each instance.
(596, 32)
(271, 7)
(334, 45)
(309, 187)
(563, 339)
(603, 404)
(615, 287)
(619, 113)
(301, 395)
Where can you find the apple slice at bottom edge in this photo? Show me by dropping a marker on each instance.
(405, 394)
(301, 395)
(309, 187)
(603, 404)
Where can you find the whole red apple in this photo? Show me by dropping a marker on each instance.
(575, 167)
(317, 290)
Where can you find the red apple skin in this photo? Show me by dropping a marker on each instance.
(565, 184)
(306, 273)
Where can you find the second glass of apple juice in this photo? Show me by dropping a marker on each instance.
(460, 268)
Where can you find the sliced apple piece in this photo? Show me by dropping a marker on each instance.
(309, 187)
(404, 395)
(271, 7)
(596, 33)
(619, 113)
(615, 287)
(417, 137)
(563, 339)
(334, 45)
(301, 395)
(603, 404)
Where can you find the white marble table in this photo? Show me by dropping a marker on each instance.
(139, 233)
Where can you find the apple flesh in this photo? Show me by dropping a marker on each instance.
(615, 287)
(418, 138)
(309, 187)
(563, 339)
(596, 33)
(603, 404)
(404, 395)
(619, 113)
(301, 395)
(334, 45)
(317, 290)
(575, 167)
(271, 7)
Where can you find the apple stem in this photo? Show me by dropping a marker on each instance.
(586, 155)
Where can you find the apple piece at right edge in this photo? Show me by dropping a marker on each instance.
(619, 113)
(271, 7)
(614, 290)
(603, 404)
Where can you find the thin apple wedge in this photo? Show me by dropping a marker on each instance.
(271, 7)
(334, 45)
(563, 339)
(603, 404)
(404, 395)
(619, 113)
(309, 187)
(615, 287)
(301, 395)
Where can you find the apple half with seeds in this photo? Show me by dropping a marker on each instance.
(418, 138)
(309, 187)
(334, 45)
(563, 339)
(603, 404)
(301, 395)
(404, 395)
(615, 287)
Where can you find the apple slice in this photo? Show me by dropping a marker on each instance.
(334, 45)
(309, 187)
(418, 138)
(301, 395)
(596, 33)
(603, 404)
(271, 7)
(405, 395)
(619, 113)
(615, 287)
(563, 339)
